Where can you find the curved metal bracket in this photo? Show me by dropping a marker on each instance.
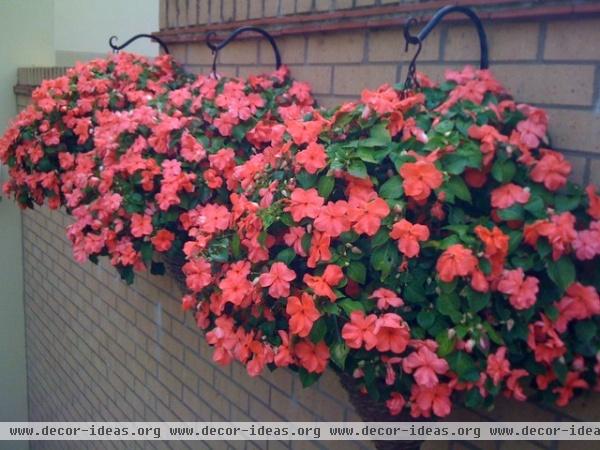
(422, 35)
(116, 48)
(217, 47)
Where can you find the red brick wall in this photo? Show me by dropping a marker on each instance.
(99, 350)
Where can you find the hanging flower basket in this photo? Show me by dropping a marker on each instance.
(425, 244)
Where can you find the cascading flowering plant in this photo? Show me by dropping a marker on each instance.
(428, 243)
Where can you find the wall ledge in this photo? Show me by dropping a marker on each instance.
(381, 17)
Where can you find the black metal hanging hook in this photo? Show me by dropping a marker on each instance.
(116, 47)
(217, 47)
(422, 35)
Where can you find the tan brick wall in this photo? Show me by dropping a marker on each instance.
(98, 349)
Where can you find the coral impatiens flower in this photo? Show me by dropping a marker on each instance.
(313, 158)
(366, 212)
(333, 218)
(522, 291)
(408, 236)
(420, 178)
(545, 341)
(587, 243)
(313, 357)
(141, 225)
(565, 392)
(304, 203)
(498, 367)
(425, 400)
(319, 249)
(507, 195)
(360, 331)
(559, 230)
(163, 240)
(594, 202)
(489, 137)
(495, 247)
(277, 279)
(191, 149)
(395, 404)
(322, 285)
(552, 170)
(579, 302)
(426, 366)
(392, 333)
(513, 388)
(386, 298)
(303, 314)
(456, 261)
(197, 274)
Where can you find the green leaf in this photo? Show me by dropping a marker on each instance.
(236, 246)
(286, 255)
(147, 251)
(565, 203)
(426, 318)
(392, 188)
(349, 306)
(464, 366)
(306, 180)
(445, 343)
(449, 305)
(504, 171)
(308, 378)
(357, 271)
(318, 331)
(385, 259)
(585, 330)
(536, 207)
(325, 186)
(339, 352)
(357, 169)
(477, 300)
(457, 187)
(379, 136)
(515, 212)
(562, 272)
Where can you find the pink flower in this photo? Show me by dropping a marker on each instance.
(587, 244)
(427, 400)
(513, 388)
(386, 298)
(545, 342)
(141, 225)
(392, 333)
(498, 366)
(313, 158)
(522, 291)
(278, 280)
(197, 274)
(163, 240)
(507, 195)
(580, 302)
(426, 365)
(313, 357)
(395, 403)
(408, 236)
(360, 330)
(552, 170)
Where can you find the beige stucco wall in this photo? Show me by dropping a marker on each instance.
(44, 33)
(82, 27)
(25, 39)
